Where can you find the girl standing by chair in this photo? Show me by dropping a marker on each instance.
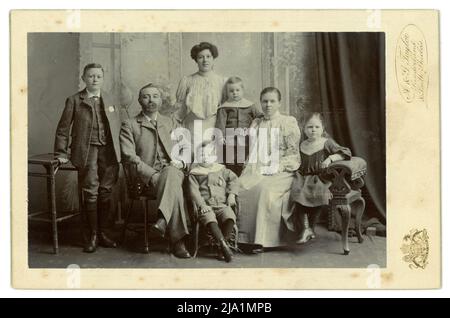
(309, 192)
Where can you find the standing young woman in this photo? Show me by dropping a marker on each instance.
(200, 94)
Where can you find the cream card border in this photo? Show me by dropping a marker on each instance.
(413, 148)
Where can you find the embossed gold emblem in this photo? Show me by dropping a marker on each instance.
(415, 247)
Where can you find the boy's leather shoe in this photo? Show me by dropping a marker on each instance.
(91, 244)
(227, 253)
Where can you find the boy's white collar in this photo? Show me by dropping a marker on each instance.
(203, 171)
(149, 118)
(91, 94)
(242, 103)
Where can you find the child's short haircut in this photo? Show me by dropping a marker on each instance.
(231, 80)
(234, 80)
(92, 65)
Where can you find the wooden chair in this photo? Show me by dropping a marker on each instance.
(137, 191)
(346, 182)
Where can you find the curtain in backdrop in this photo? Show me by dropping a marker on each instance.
(351, 70)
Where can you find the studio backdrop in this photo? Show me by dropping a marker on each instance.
(339, 74)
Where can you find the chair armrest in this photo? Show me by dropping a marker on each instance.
(355, 167)
(346, 175)
(135, 185)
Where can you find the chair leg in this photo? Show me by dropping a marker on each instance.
(235, 237)
(127, 220)
(345, 213)
(196, 234)
(359, 206)
(146, 249)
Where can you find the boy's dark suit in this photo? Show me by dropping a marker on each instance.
(93, 123)
(79, 111)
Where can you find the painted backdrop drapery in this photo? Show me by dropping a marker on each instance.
(351, 71)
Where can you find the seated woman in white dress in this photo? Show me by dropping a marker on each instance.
(265, 211)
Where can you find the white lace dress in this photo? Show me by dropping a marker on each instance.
(198, 97)
(265, 211)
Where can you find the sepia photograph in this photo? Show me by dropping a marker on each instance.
(244, 153)
(102, 107)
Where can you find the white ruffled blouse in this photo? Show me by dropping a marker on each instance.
(289, 160)
(200, 94)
